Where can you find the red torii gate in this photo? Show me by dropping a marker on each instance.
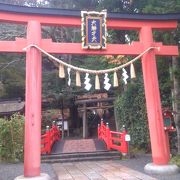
(35, 17)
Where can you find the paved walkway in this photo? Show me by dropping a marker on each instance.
(101, 170)
(127, 169)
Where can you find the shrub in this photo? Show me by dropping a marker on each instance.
(175, 160)
(131, 112)
(12, 138)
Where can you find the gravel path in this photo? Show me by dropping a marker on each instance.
(11, 171)
(140, 161)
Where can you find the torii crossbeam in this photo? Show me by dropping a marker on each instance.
(34, 18)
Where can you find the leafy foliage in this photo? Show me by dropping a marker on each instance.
(12, 138)
(12, 78)
(165, 83)
(175, 160)
(131, 112)
(155, 6)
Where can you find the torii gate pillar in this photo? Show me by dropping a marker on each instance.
(32, 141)
(159, 143)
(160, 149)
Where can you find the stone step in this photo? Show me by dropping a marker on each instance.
(74, 157)
(81, 154)
(79, 150)
(102, 158)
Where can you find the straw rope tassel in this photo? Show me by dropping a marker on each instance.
(78, 79)
(89, 71)
(61, 71)
(97, 83)
(116, 84)
(132, 70)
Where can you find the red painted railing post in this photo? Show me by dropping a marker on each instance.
(103, 130)
(108, 137)
(124, 143)
(48, 138)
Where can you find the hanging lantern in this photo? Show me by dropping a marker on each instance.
(97, 83)
(132, 70)
(61, 71)
(78, 79)
(116, 84)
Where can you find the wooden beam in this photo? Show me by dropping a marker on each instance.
(135, 48)
(75, 48)
(13, 46)
(94, 100)
(72, 21)
(43, 19)
(95, 107)
(166, 50)
(129, 24)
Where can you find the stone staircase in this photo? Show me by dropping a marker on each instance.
(79, 150)
(83, 156)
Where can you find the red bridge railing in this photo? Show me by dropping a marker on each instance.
(114, 140)
(48, 139)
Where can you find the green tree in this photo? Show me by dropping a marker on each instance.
(131, 112)
(155, 6)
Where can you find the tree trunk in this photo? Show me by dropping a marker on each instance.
(176, 99)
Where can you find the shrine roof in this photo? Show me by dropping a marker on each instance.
(77, 13)
(11, 106)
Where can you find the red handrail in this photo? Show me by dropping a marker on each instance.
(48, 139)
(114, 140)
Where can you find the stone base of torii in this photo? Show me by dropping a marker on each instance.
(42, 176)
